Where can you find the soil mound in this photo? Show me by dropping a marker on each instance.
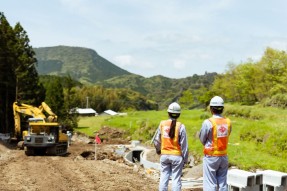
(111, 135)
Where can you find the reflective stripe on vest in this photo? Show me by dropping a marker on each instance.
(220, 134)
(169, 146)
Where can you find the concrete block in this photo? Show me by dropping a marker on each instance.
(235, 188)
(259, 178)
(273, 188)
(274, 178)
(240, 178)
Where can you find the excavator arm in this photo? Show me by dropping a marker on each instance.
(52, 116)
(17, 121)
(27, 110)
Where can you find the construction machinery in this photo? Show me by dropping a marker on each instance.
(39, 134)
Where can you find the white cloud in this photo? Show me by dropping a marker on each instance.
(179, 64)
(124, 60)
(281, 45)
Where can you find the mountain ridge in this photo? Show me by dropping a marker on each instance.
(82, 64)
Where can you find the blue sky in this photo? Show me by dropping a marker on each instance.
(173, 38)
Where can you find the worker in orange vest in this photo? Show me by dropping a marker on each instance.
(170, 142)
(214, 136)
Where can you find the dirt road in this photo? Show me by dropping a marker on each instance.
(74, 172)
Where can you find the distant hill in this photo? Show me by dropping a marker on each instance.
(82, 64)
(161, 89)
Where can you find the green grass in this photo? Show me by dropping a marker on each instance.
(89, 125)
(258, 138)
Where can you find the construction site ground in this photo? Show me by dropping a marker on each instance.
(76, 171)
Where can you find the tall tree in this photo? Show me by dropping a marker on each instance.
(29, 90)
(252, 82)
(274, 64)
(55, 97)
(18, 76)
(7, 77)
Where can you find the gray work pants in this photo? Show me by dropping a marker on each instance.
(171, 165)
(215, 173)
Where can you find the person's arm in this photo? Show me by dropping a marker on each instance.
(183, 143)
(204, 131)
(157, 141)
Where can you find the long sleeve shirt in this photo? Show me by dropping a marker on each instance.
(182, 142)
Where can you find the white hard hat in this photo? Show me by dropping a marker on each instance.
(216, 101)
(174, 108)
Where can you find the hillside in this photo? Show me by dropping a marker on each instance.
(82, 64)
(161, 89)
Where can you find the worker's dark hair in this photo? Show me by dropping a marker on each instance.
(217, 109)
(173, 117)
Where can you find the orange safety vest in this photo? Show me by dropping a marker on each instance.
(220, 133)
(169, 146)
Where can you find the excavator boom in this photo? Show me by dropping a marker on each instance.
(52, 116)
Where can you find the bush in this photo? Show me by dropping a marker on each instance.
(277, 144)
(255, 133)
(278, 100)
(249, 112)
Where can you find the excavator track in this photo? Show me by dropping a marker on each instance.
(58, 150)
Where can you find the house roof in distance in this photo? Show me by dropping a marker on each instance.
(85, 110)
(110, 112)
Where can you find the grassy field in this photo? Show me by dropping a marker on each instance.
(258, 138)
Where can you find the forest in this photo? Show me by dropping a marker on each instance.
(253, 82)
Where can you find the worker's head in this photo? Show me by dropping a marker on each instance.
(174, 113)
(216, 105)
(174, 110)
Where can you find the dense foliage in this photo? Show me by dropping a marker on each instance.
(190, 91)
(75, 95)
(263, 81)
(102, 99)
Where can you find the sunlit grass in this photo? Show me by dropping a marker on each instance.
(254, 140)
(89, 125)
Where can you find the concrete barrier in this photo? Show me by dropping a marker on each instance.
(240, 180)
(274, 181)
(146, 163)
(268, 180)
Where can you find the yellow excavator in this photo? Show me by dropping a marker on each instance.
(39, 134)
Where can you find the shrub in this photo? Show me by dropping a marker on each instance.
(278, 100)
